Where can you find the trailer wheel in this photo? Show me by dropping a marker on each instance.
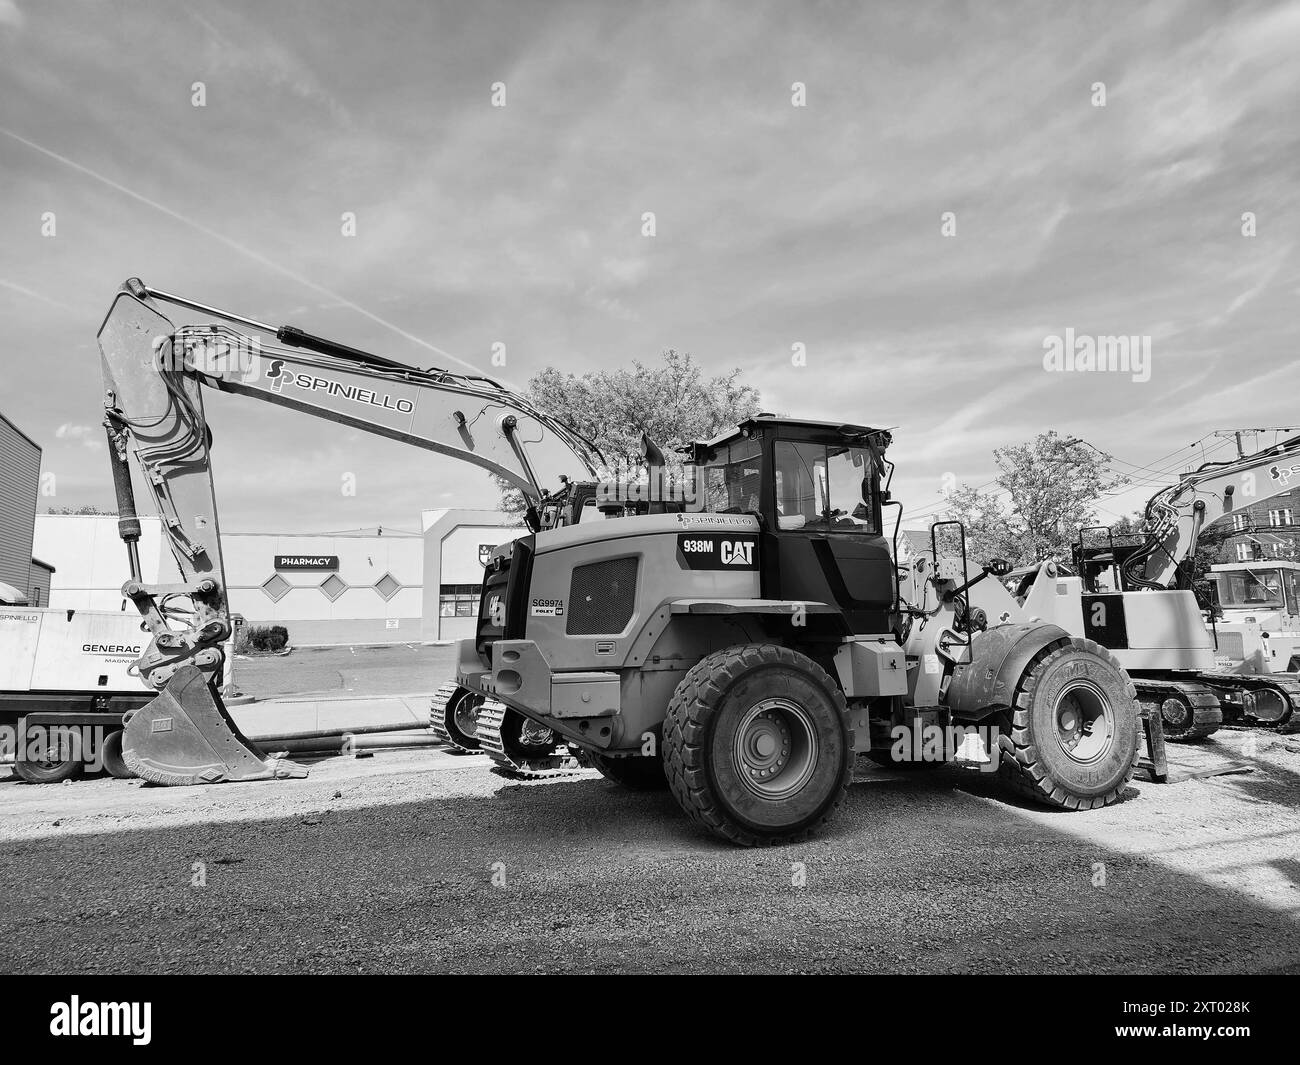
(635, 774)
(757, 746)
(111, 754)
(1072, 739)
(50, 770)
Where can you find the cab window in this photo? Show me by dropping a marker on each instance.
(824, 488)
(732, 477)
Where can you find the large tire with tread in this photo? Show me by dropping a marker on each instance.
(757, 745)
(1071, 740)
(635, 774)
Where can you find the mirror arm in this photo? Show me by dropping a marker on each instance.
(954, 592)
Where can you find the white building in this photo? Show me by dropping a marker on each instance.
(352, 588)
(20, 474)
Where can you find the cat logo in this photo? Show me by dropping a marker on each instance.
(737, 553)
(717, 551)
(484, 554)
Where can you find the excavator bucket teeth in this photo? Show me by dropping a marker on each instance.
(185, 736)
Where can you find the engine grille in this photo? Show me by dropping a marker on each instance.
(602, 596)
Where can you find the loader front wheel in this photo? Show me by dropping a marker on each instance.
(757, 746)
(1071, 739)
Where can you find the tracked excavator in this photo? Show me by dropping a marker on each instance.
(1138, 602)
(742, 646)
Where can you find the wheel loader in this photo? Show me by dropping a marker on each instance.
(742, 646)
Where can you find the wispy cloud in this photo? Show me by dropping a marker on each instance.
(30, 294)
(776, 224)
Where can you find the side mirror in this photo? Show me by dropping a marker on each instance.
(999, 567)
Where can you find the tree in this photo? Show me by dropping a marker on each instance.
(671, 402)
(1046, 489)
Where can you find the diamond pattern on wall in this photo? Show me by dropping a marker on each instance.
(276, 588)
(333, 586)
(388, 586)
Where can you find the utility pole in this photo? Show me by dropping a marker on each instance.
(1237, 434)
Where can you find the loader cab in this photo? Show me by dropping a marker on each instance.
(815, 487)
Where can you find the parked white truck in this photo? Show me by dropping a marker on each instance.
(65, 683)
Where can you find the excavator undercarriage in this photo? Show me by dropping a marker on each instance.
(472, 723)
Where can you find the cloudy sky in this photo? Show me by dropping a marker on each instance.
(776, 225)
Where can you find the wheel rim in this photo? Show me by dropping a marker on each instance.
(776, 748)
(465, 715)
(533, 735)
(1176, 712)
(1085, 722)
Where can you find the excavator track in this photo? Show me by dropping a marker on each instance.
(521, 749)
(1279, 712)
(456, 729)
(1189, 710)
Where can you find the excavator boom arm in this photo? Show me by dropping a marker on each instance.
(154, 375)
(1177, 515)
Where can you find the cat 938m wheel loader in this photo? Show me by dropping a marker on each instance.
(742, 644)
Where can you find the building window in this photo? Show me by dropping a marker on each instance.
(36, 595)
(276, 588)
(333, 586)
(1278, 518)
(1243, 552)
(458, 600)
(388, 586)
(1239, 523)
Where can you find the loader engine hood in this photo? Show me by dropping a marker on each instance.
(572, 587)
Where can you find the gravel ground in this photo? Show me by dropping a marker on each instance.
(388, 864)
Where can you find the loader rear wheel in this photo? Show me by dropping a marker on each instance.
(1072, 738)
(635, 774)
(111, 754)
(757, 746)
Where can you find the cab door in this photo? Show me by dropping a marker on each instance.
(825, 528)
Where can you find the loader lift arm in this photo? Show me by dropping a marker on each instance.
(1178, 514)
(154, 374)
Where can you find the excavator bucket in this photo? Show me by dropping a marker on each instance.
(185, 736)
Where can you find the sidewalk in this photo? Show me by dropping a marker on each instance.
(274, 717)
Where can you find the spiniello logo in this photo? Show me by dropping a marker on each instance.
(79, 1018)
